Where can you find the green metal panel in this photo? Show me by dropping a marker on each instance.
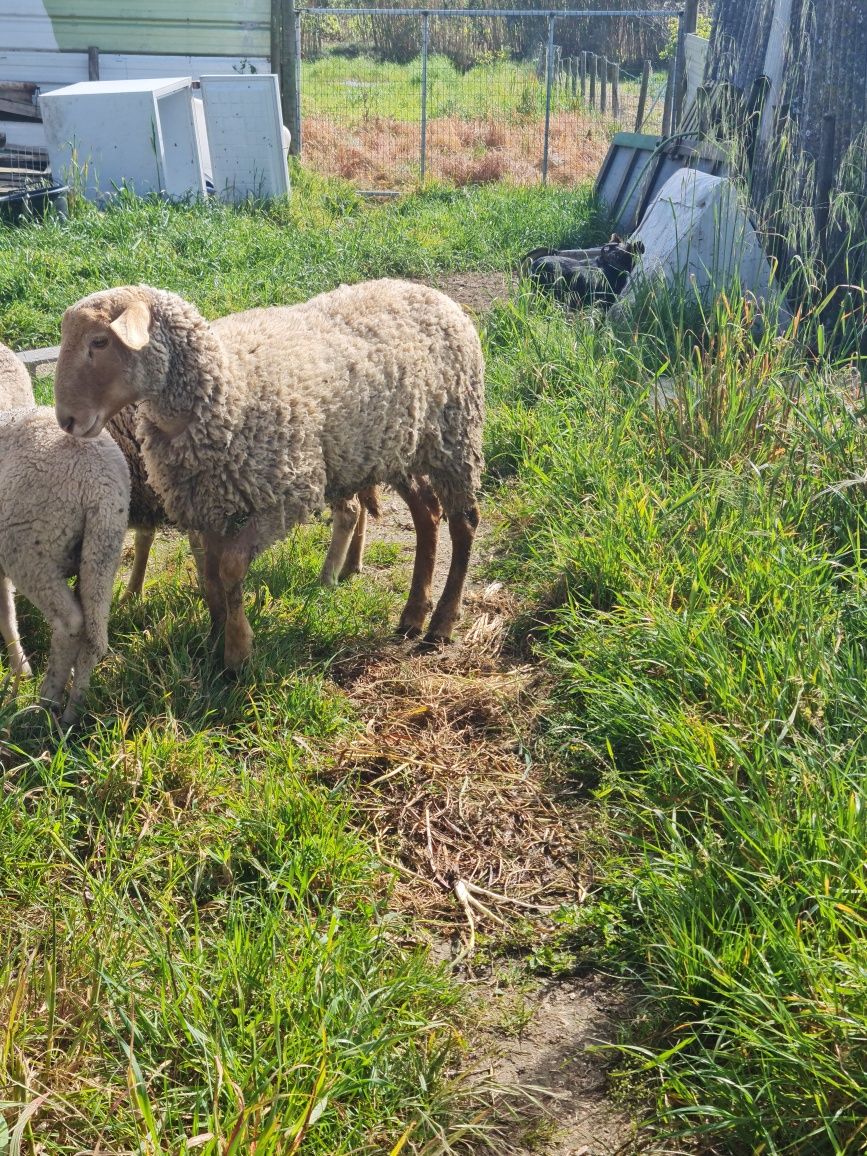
(162, 27)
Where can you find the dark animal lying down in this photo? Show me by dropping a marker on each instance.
(575, 282)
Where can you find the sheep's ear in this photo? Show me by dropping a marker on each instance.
(133, 325)
(615, 239)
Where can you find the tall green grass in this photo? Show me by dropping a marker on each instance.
(685, 522)
(227, 259)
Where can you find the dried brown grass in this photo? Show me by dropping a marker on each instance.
(446, 785)
(379, 152)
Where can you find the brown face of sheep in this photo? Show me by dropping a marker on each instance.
(93, 378)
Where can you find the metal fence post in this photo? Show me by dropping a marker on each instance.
(549, 77)
(678, 89)
(425, 38)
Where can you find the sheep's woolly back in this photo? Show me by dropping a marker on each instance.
(146, 510)
(288, 408)
(50, 484)
(15, 387)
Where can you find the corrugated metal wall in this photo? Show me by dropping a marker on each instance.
(160, 27)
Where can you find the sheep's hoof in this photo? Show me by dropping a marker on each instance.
(434, 641)
(410, 633)
(350, 572)
(129, 596)
(238, 648)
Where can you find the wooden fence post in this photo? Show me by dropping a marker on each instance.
(614, 77)
(669, 100)
(642, 96)
(93, 63)
(592, 63)
(583, 67)
(290, 74)
(603, 84)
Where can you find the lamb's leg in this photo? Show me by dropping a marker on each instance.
(346, 514)
(18, 663)
(63, 612)
(462, 528)
(144, 539)
(426, 513)
(234, 563)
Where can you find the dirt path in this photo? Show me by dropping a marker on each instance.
(445, 778)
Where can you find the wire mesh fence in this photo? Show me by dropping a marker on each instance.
(391, 97)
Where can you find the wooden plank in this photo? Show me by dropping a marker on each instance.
(35, 358)
(93, 63)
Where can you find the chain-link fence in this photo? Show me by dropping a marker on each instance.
(391, 96)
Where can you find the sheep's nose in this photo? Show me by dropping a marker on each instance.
(67, 424)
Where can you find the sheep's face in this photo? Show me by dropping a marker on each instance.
(98, 369)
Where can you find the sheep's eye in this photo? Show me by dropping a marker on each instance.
(99, 343)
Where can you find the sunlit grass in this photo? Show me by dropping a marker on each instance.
(693, 568)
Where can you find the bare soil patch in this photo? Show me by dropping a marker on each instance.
(453, 791)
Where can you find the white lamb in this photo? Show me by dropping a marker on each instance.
(63, 512)
(16, 390)
(252, 423)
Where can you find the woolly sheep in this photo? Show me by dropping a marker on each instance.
(15, 390)
(63, 511)
(253, 422)
(147, 514)
(15, 387)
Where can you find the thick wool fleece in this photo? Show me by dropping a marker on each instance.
(288, 408)
(146, 510)
(15, 387)
(64, 505)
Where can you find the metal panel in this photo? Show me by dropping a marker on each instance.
(218, 27)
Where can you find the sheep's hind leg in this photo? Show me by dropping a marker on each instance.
(426, 513)
(18, 663)
(462, 529)
(346, 515)
(369, 500)
(144, 539)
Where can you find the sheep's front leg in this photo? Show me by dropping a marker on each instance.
(63, 611)
(462, 528)
(213, 589)
(144, 539)
(234, 563)
(18, 663)
(346, 514)
(426, 513)
(197, 549)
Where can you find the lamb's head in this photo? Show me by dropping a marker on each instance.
(109, 357)
(617, 257)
